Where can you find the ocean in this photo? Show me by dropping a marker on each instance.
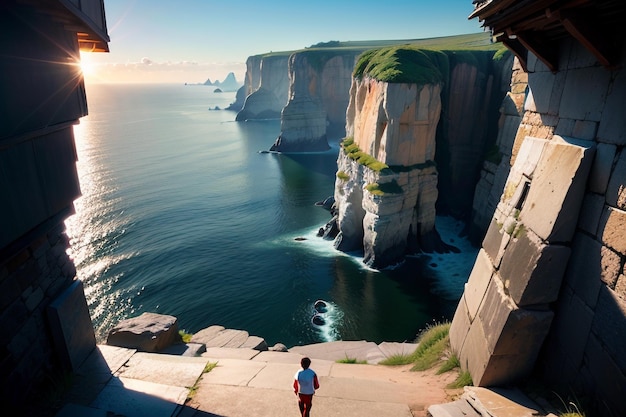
(182, 214)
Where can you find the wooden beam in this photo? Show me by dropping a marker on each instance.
(544, 50)
(516, 48)
(589, 31)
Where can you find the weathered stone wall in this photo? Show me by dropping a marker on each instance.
(548, 290)
(29, 281)
(42, 97)
(497, 164)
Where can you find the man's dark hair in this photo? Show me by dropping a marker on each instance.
(305, 362)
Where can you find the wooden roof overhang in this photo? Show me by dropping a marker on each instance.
(538, 26)
(86, 18)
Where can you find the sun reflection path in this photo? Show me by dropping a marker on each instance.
(94, 232)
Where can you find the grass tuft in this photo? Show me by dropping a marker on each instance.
(185, 336)
(209, 367)
(450, 363)
(432, 343)
(194, 388)
(464, 379)
(397, 360)
(351, 361)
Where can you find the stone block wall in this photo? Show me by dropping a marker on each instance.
(29, 281)
(562, 251)
(496, 167)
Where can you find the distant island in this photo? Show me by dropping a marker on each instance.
(230, 83)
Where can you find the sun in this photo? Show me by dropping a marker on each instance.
(87, 66)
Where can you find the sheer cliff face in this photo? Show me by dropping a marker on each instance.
(387, 212)
(318, 98)
(266, 88)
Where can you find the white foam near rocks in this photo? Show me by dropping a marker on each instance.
(450, 271)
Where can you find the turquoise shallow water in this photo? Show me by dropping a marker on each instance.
(182, 215)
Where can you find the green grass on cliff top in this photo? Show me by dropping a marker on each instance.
(402, 64)
(470, 42)
(419, 61)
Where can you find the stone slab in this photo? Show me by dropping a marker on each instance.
(234, 372)
(458, 408)
(590, 213)
(459, 327)
(609, 325)
(280, 357)
(215, 353)
(321, 367)
(572, 326)
(494, 242)
(612, 227)
(474, 356)
(390, 349)
(71, 327)
(584, 274)
(206, 334)
(105, 360)
(240, 401)
(532, 271)
(255, 342)
(229, 338)
(529, 155)
(590, 84)
(510, 330)
(134, 398)
(601, 168)
(612, 128)
(501, 402)
(494, 313)
(185, 349)
(359, 350)
(601, 364)
(276, 376)
(477, 283)
(95, 372)
(553, 202)
(181, 371)
(367, 390)
(616, 188)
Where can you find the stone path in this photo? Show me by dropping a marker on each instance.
(122, 382)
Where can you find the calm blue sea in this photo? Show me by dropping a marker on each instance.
(181, 214)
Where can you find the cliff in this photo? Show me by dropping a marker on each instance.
(402, 104)
(318, 97)
(476, 84)
(265, 88)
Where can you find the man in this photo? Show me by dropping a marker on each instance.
(304, 385)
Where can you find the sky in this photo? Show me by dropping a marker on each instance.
(190, 41)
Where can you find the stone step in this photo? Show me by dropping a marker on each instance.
(174, 370)
(458, 408)
(218, 336)
(485, 402)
